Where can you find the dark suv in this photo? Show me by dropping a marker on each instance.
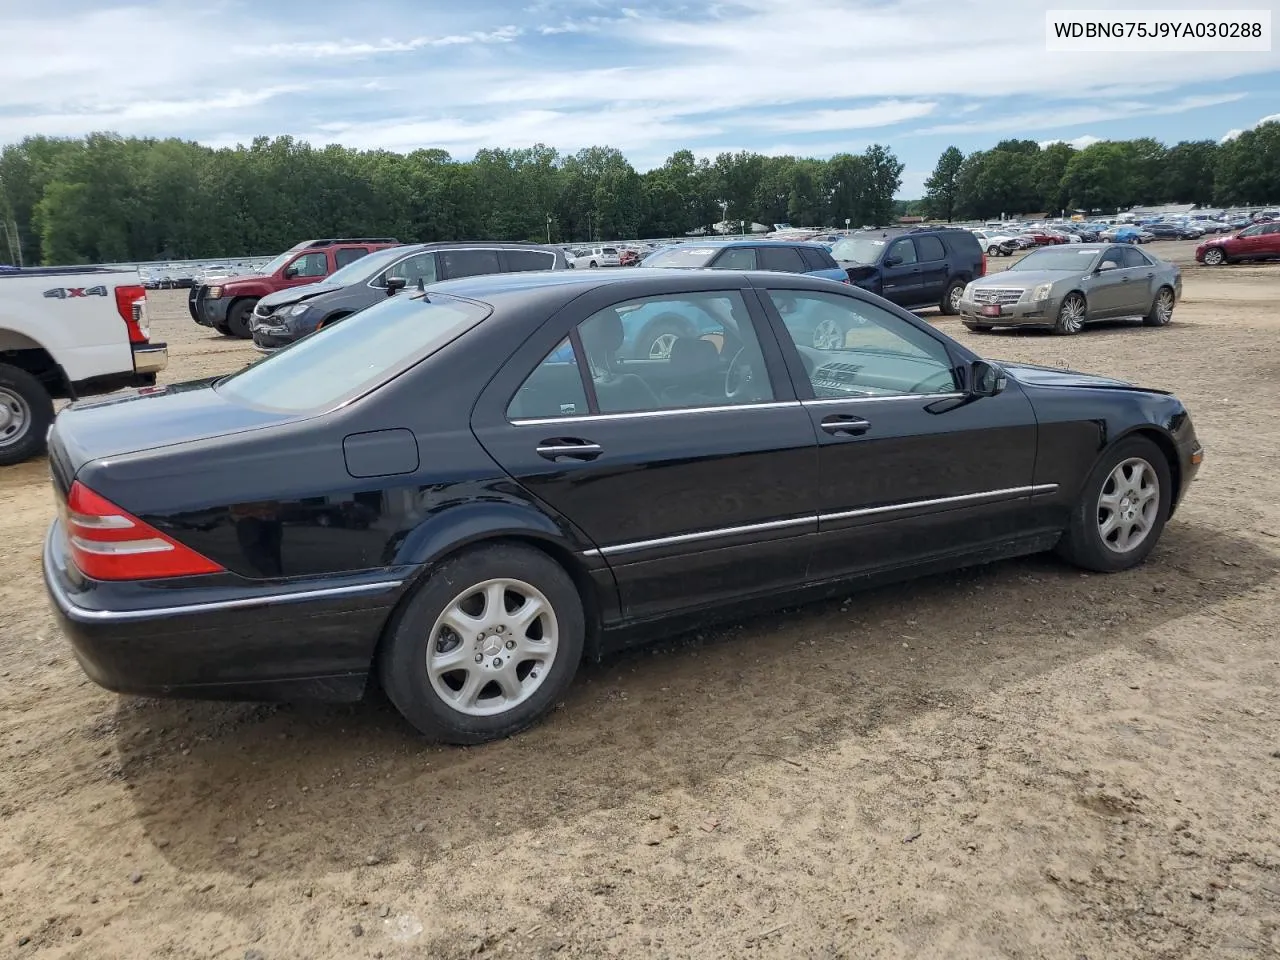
(922, 267)
(281, 318)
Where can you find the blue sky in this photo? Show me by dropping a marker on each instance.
(808, 77)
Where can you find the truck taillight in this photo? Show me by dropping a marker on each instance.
(984, 266)
(131, 303)
(108, 543)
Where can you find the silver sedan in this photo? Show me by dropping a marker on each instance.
(1063, 288)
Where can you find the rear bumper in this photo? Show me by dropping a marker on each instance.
(150, 357)
(242, 640)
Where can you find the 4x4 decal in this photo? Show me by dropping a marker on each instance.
(64, 293)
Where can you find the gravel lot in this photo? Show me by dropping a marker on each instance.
(1015, 761)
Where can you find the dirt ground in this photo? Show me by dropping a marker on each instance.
(1017, 761)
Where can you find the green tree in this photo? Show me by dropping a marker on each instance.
(1188, 172)
(940, 188)
(1249, 167)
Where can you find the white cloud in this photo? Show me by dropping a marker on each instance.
(1076, 115)
(1232, 134)
(348, 48)
(1087, 140)
(882, 114)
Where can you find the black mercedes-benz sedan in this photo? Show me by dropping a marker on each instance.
(463, 492)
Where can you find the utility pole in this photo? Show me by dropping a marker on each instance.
(548, 228)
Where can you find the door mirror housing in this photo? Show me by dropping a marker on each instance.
(986, 379)
(395, 284)
(893, 261)
(290, 272)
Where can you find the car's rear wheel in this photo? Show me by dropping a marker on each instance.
(1161, 309)
(238, 318)
(593, 264)
(485, 645)
(1214, 257)
(1122, 509)
(950, 304)
(26, 410)
(1071, 315)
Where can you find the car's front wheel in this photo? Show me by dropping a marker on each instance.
(1122, 509)
(238, 318)
(485, 646)
(1214, 257)
(1071, 315)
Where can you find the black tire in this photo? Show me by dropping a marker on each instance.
(238, 318)
(223, 329)
(402, 660)
(1215, 257)
(22, 396)
(993, 251)
(593, 264)
(1063, 324)
(950, 303)
(1158, 316)
(979, 327)
(1082, 542)
(663, 325)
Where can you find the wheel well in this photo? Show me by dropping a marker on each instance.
(38, 362)
(333, 319)
(1170, 452)
(592, 614)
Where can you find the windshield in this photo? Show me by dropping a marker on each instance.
(858, 249)
(367, 266)
(691, 255)
(339, 362)
(271, 266)
(1061, 258)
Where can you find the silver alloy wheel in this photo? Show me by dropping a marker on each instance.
(660, 349)
(1213, 256)
(1128, 504)
(1164, 307)
(492, 647)
(1071, 315)
(827, 335)
(956, 293)
(15, 417)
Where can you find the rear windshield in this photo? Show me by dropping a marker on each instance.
(343, 361)
(688, 256)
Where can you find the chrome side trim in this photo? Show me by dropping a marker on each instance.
(897, 396)
(1007, 493)
(701, 535)
(645, 414)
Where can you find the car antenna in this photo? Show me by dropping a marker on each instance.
(422, 290)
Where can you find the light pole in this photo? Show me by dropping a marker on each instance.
(742, 228)
(724, 214)
(548, 228)
(847, 221)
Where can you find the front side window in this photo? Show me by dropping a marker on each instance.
(310, 265)
(710, 354)
(901, 252)
(1252, 231)
(347, 359)
(736, 258)
(469, 263)
(421, 266)
(850, 348)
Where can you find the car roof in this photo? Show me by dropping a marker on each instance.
(740, 241)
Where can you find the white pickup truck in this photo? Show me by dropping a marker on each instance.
(67, 332)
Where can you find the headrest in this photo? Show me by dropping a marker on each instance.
(692, 355)
(602, 335)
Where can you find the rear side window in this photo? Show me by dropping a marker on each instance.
(518, 261)
(469, 263)
(782, 259)
(815, 259)
(554, 389)
(930, 248)
(963, 243)
(348, 255)
(342, 361)
(1131, 257)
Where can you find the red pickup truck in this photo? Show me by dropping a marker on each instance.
(227, 305)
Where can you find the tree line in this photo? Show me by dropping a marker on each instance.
(1021, 176)
(107, 198)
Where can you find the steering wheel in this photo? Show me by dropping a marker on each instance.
(738, 377)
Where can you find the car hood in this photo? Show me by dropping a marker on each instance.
(283, 298)
(1025, 278)
(1038, 376)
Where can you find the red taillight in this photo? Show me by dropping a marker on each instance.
(131, 305)
(984, 266)
(108, 543)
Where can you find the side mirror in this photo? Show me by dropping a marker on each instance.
(986, 379)
(395, 284)
(290, 273)
(893, 261)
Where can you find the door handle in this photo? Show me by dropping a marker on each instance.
(845, 423)
(559, 448)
